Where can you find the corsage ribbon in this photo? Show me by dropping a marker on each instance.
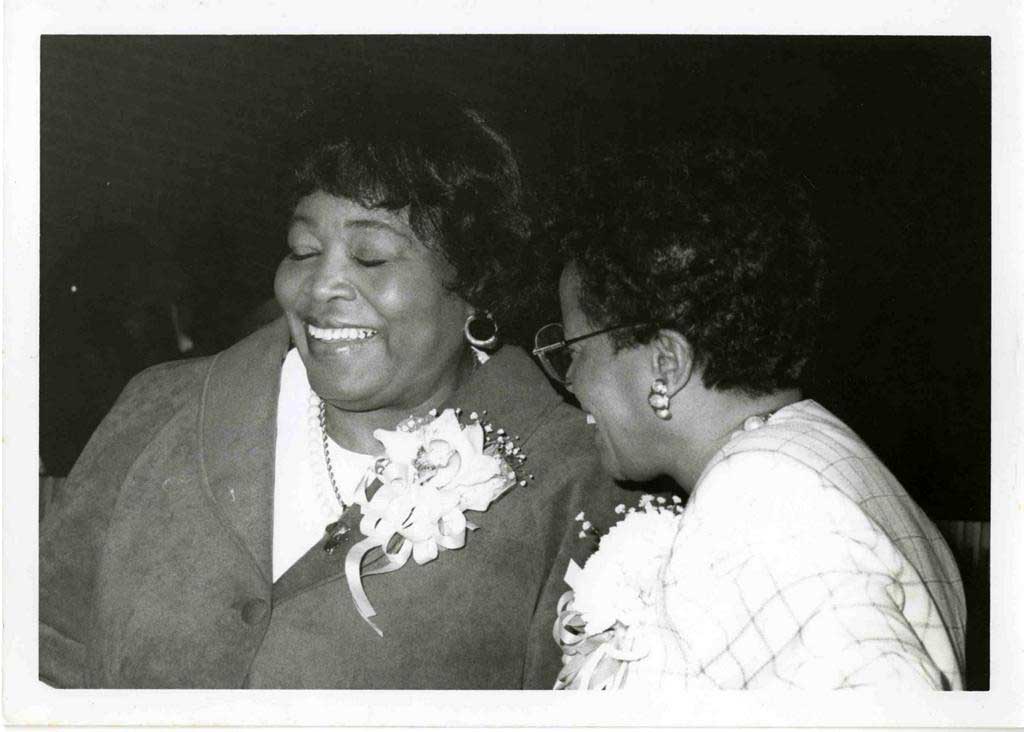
(592, 660)
(354, 573)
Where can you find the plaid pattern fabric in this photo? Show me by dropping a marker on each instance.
(802, 563)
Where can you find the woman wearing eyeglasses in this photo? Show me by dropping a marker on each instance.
(690, 300)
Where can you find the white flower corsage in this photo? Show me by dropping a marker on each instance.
(601, 620)
(412, 503)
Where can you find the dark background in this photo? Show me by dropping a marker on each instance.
(157, 161)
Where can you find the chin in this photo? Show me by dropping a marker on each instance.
(630, 473)
(613, 467)
(625, 476)
(609, 456)
(349, 393)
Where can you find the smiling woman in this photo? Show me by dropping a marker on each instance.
(369, 314)
(188, 547)
(800, 562)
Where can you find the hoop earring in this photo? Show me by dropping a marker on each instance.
(481, 330)
(659, 399)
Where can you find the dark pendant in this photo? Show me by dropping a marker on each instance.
(333, 543)
(336, 532)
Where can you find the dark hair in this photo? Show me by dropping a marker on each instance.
(387, 144)
(707, 239)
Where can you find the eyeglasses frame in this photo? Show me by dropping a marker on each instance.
(541, 351)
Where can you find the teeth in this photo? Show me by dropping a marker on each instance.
(340, 334)
(590, 419)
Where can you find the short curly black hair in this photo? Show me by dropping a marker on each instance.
(396, 143)
(710, 239)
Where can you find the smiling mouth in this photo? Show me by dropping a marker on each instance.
(347, 334)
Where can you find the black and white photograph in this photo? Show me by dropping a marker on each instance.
(381, 374)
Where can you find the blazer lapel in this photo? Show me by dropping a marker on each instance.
(238, 429)
(314, 568)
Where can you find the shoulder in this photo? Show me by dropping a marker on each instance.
(161, 389)
(172, 376)
(237, 371)
(803, 454)
(562, 430)
(807, 434)
(764, 493)
(150, 399)
(518, 397)
(157, 394)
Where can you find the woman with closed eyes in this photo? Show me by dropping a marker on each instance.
(188, 548)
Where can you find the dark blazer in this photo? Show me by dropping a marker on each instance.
(155, 559)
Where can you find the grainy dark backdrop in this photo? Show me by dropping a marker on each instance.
(157, 152)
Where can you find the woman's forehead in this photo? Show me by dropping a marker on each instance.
(574, 319)
(323, 210)
(569, 281)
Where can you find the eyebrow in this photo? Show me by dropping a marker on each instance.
(358, 224)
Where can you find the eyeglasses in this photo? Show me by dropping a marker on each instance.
(551, 348)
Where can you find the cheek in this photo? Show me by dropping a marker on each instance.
(288, 285)
(420, 313)
(392, 299)
(619, 411)
(608, 392)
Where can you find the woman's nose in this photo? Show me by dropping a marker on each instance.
(333, 280)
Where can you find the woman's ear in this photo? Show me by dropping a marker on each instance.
(672, 357)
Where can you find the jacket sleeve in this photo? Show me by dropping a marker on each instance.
(73, 530)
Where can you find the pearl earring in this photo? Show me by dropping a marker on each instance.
(659, 399)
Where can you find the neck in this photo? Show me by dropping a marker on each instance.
(354, 430)
(707, 420)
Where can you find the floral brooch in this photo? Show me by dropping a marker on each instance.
(412, 502)
(603, 620)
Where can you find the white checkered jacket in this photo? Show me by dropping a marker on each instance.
(802, 563)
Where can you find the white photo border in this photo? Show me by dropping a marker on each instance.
(29, 702)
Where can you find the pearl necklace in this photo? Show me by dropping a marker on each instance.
(751, 423)
(322, 419)
(321, 465)
(757, 421)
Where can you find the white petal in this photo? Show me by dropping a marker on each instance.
(399, 446)
(475, 434)
(454, 522)
(424, 551)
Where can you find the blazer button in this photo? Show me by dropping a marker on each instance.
(253, 611)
